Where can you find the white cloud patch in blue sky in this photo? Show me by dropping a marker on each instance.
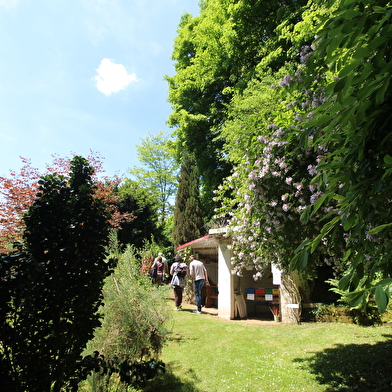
(113, 77)
(65, 72)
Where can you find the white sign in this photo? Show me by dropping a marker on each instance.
(293, 306)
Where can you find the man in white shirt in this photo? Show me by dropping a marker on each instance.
(198, 273)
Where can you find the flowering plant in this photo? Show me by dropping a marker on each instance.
(273, 184)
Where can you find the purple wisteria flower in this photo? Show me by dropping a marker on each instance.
(287, 80)
(315, 196)
(279, 133)
(312, 170)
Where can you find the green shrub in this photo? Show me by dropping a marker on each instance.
(365, 313)
(332, 313)
(343, 314)
(133, 330)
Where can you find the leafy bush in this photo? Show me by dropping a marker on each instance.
(126, 374)
(365, 313)
(332, 313)
(133, 331)
(343, 314)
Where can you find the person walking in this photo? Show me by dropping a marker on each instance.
(158, 271)
(199, 275)
(179, 271)
(164, 261)
(165, 277)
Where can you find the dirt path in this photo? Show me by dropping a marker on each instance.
(247, 321)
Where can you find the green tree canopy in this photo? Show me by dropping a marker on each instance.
(159, 171)
(51, 290)
(215, 56)
(143, 207)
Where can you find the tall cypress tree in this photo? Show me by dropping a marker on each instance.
(188, 215)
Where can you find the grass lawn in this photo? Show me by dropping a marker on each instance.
(207, 353)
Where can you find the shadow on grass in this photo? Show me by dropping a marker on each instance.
(353, 367)
(168, 382)
(178, 337)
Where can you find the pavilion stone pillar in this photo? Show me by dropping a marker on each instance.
(225, 282)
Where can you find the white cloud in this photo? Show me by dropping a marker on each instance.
(112, 77)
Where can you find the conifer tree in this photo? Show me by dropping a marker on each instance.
(51, 287)
(188, 216)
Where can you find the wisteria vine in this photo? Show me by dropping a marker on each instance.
(274, 184)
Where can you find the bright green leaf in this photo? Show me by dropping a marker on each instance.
(378, 9)
(305, 215)
(339, 85)
(388, 160)
(355, 298)
(380, 228)
(319, 202)
(344, 282)
(380, 94)
(347, 254)
(381, 299)
(303, 260)
(348, 13)
(385, 282)
(362, 53)
(302, 245)
(315, 243)
(349, 222)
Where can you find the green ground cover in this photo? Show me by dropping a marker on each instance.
(207, 353)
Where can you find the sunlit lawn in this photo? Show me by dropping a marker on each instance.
(206, 353)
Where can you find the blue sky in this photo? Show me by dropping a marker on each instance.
(81, 75)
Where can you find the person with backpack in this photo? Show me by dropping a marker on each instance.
(179, 271)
